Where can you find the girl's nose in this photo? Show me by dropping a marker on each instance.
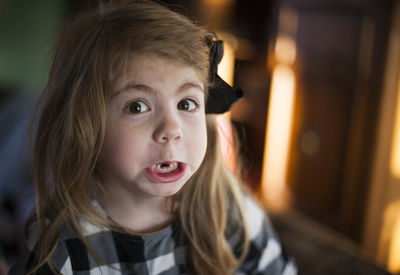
(168, 131)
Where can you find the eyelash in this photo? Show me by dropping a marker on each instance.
(127, 108)
(141, 104)
(196, 104)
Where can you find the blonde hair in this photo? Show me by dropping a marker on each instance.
(72, 123)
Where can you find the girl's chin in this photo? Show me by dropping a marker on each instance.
(165, 191)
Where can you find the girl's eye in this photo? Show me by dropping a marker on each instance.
(137, 107)
(187, 105)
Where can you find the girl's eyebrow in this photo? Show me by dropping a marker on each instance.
(145, 88)
(190, 85)
(132, 86)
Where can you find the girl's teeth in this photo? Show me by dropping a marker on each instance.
(164, 167)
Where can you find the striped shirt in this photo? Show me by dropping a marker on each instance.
(162, 252)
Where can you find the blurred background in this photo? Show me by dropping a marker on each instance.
(319, 122)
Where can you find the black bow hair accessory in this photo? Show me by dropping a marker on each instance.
(221, 96)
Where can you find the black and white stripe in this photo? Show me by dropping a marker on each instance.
(160, 252)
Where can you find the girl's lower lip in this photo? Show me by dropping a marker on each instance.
(173, 176)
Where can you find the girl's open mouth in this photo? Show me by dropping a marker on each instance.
(166, 172)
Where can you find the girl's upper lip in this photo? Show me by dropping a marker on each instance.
(164, 161)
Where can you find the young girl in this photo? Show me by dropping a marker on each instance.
(127, 169)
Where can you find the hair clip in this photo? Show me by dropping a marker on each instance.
(221, 96)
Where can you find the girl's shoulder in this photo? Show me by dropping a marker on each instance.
(252, 217)
(69, 244)
(265, 255)
(106, 251)
(28, 255)
(257, 219)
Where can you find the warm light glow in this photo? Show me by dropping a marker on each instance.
(225, 134)
(216, 3)
(285, 50)
(278, 133)
(390, 236)
(227, 65)
(394, 252)
(395, 157)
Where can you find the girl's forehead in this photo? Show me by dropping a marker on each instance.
(138, 64)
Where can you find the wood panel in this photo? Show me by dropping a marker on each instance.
(341, 48)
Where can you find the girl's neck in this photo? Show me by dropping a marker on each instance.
(136, 215)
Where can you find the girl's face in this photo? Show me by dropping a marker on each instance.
(156, 130)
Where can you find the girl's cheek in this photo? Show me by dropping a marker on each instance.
(196, 116)
(133, 120)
